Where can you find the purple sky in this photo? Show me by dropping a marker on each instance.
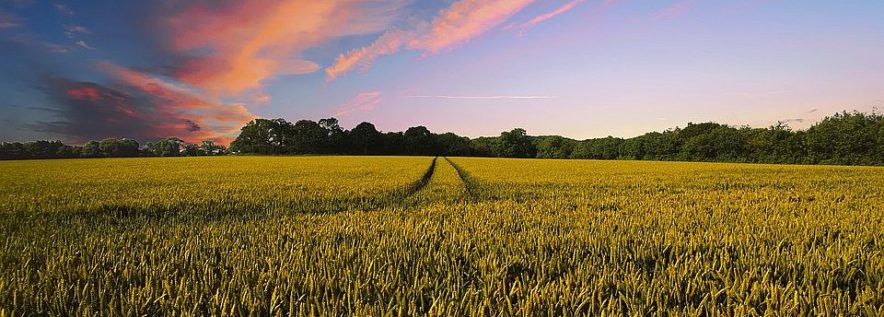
(200, 69)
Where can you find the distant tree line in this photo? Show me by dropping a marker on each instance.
(847, 138)
(111, 147)
(278, 136)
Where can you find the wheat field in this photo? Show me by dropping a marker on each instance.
(405, 236)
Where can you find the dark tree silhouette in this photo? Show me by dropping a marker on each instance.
(845, 138)
(365, 137)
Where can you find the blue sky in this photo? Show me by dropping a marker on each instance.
(200, 69)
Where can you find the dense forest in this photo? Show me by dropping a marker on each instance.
(848, 138)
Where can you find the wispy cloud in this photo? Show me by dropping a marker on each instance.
(63, 9)
(83, 44)
(503, 97)
(8, 20)
(389, 43)
(466, 20)
(73, 30)
(55, 48)
(363, 102)
(458, 24)
(76, 33)
(522, 28)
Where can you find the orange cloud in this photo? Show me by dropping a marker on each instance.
(388, 43)
(182, 112)
(466, 20)
(236, 47)
(461, 22)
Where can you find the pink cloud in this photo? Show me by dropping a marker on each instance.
(364, 102)
(549, 15)
(225, 49)
(389, 43)
(466, 20)
(176, 110)
(90, 111)
(84, 93)
(236, 47)
(460, 23)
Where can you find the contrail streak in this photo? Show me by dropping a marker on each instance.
(485, 97)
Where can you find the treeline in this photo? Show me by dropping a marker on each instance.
(111, 147)
(278, 136)
(844, 139)
(847, 138)
(854, 138)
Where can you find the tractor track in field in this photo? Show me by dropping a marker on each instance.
(470, 183)
(471, 186)
(119, 214)
(423, 181)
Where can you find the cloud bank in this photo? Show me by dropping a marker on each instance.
(233, 47)
(137, 105)
(205, 62)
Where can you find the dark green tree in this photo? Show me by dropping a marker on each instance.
(209, 148)
(420, 141)
(167, 147)
(846, 138)
(555, 147)
(118, 148)
(366, 138)
(264, 136)
(452, 144)
(191, 150)
(90, 149)
(515, 143)
(336, 139)
(308, 137)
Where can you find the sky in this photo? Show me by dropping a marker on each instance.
(197, 70)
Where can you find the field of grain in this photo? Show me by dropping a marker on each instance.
(447, 236)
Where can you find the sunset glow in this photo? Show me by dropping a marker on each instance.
(579, 68)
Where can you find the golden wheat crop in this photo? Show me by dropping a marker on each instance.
(386, 236)
(308, 184)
